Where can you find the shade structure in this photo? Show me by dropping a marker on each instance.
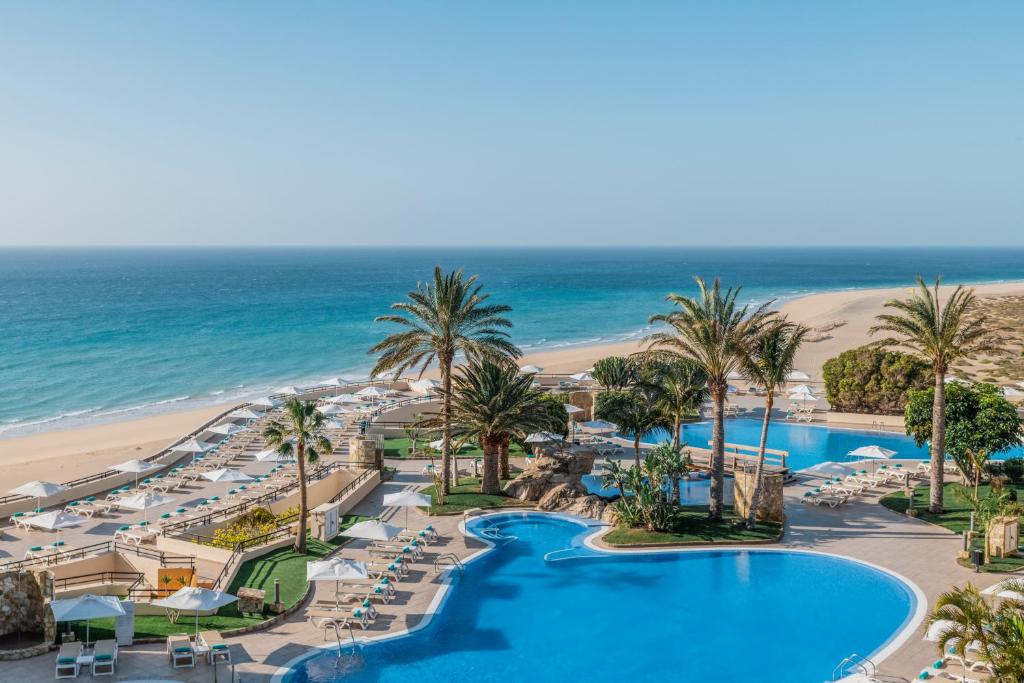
(874, 452)
(425, 386)
(38, 490)
(438, 444)
(55, 520)
(542, 437)
(227, 475)
(191, 598)
(830, 469)
(272, 455)
(333, 382)
(335, 424)
(264, 402)
(950, 379)
(288, 391)
(797, 376)
(86, 607)
(372, 530)
(583, 377)
(801, 389)
(372, 392)
(407, 499)
(803, 394)
(244, 414)
(936, 628)
(192, 446)
(145, 502)
(570, 408)
(734, 375)
(600, 426)
(337, 569)
(1002, 590)
(334, 409)
(227, 428)
(135, 466)
(345, 398)
(531, 369)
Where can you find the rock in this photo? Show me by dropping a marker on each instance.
(554, 481)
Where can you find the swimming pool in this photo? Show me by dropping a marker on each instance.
(807, 444)
(728, 615)
(691, 491)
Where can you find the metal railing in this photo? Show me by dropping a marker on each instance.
(134, 579)
(98, 549)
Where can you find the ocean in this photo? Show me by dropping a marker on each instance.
(101, 334)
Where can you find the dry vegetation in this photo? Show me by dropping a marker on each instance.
(1006, 367)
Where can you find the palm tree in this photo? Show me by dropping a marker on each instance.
(716, 333)
(614, 475)
(772, 358)
(683, 390)
(939, 335)
(639, 416)
(301, 433)
(442, 318)
(613, 372)
(675, 467)
(492, 402)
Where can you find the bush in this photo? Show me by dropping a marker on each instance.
(1014, 469)
(870, 380)
(250, 524)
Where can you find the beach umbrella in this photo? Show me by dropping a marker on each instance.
(531, 369)
(55, 521)
(407, 499)
(937, 628)
(372, 530)
(333, 382)
(372, 392)
(137, 467)
(38, 490)
(192, 446)
(570, 408)
(271, 455)
(244, 414)
(85, 608)
(336, 570)
(951, 379)
(600, 426)
(797, 376)
(345, 398)
(198, 599)
(335, 424)
(733, 375)
(1000, 590)
(228, 475)
(830, 469)
(425, 386)
(542, 437)
(145, 501)
(583, 377)
(227, 428)
(333, 409)
(873, 452)
(264, 402)
(803, 394)
(287, 391)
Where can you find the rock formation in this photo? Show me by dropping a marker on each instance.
(553, 479)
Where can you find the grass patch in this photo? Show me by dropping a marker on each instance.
(283, 564)
(956, 517)
(466, 495)
(402, 448)
(692, 527)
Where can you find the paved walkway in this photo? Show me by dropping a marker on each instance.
(864, 530)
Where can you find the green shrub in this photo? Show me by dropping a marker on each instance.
(1014, 469)
(250, 524)
(870, 380)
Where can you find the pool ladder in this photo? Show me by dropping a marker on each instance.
(351, 635)
(854, 664)
(449, 560)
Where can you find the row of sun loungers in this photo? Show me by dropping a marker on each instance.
(71, 657)
(836, 491)
(182, 652)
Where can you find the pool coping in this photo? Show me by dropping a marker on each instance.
(896, 641)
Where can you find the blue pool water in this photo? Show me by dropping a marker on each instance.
(807, 444)
(691, 492)
(725, 616)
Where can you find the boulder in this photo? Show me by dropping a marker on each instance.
(554, 480)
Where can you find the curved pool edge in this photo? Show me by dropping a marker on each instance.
(896, 641)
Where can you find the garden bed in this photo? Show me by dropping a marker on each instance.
(692, 527)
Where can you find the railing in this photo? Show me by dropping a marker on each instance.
(100, 548)
(742, 454)
(449, 560)
(352, 485)
(134, 578)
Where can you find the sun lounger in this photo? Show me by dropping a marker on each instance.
(104, 657)
(338, 618)
(394, 569)
(180, 651)
(67, 660)
(217, 648)
(428, 532)
(411, 549)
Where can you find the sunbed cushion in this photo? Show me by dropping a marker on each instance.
(103, 657)
(66, 660)
(219, 646)
(183, 648)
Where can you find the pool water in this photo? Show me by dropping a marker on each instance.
(691, 491)
(726, 616)
(807, 444)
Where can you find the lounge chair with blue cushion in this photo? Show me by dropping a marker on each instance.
(180, 651)
(67, 660)
(217, 647)
(104, 657)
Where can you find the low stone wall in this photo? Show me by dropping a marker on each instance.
(24, 599)
(866, 420)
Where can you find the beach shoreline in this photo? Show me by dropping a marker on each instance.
(64, 454)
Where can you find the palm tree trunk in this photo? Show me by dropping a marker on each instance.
(446, 424)
(755, 498)
(677, 434)
(636, 448)
(716, 502)
(938, 442)
(300, 539)
(503, 461)
(490, 484)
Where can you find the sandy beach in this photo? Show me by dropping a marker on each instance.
(63, 455)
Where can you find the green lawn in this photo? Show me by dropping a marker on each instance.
(284, 564)
(466, 495)
(401, 448)
(693, 528)
(956, 517)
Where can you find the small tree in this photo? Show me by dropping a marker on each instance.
(868, 379)
(979, 420)
(414, 430)
(613, 372)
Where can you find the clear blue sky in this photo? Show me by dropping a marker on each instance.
(520, 122)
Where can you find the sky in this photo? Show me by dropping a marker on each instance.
(525, 123)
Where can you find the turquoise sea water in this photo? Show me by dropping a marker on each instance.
(528, 611)
(91, 335)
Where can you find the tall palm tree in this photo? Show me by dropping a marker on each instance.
(940, 335)
(716, 333)
(772, 358)
(440, 319)
(301, 433)
(683, 390)
(492, 402)
(614, 475)
(613, 372)
(639, 416)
